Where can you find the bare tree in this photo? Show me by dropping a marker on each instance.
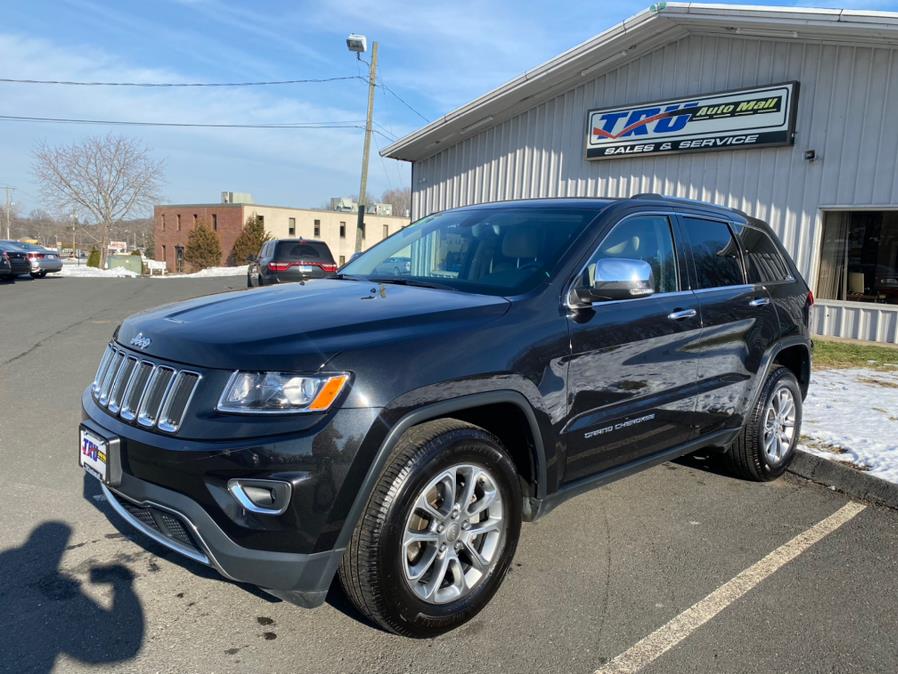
(106, 178)
(400, 199)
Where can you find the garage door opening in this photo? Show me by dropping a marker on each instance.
(859, 257)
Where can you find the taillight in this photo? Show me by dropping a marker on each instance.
(278, 266)
(810, 298)
(329, 268)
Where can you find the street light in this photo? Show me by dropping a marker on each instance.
(359, 44)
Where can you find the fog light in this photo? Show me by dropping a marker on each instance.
(264, 497)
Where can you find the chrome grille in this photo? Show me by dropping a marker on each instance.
(140, 390)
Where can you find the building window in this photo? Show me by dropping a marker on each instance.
(194, 220)
(260, 219)
(163, 254)
(163, 222)
(291, 226)
(317, 228)
(859, 257)
(342, 260)
(214, 222)
(342, 230)
(386, 231)
(179, 222)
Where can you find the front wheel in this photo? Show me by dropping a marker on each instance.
(438, 533)
(766, 445)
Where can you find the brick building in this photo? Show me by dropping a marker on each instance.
(174, 222)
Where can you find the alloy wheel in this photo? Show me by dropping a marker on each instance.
(779, 424)
(453, 534)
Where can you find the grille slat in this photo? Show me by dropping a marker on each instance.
(138, 390)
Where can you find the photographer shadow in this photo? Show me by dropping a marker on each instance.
(47, 614)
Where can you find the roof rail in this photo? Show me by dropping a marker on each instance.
(648, 195)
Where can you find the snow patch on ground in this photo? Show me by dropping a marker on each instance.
(72, 269)
(210, 272)
(851, 416)
(83, 271)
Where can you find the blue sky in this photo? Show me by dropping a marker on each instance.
(435, 55)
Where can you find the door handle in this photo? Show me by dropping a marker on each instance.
(759, 302)
(680, 314)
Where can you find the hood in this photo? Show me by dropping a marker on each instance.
(300, 327)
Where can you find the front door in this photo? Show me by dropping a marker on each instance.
(739, 324)
(632, 371)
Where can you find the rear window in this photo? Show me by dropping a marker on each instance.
(303, 250)
(763, 260)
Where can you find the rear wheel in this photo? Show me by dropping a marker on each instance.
(766, 445)
(438, 533)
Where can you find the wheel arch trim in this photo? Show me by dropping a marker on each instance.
(430, 412)
(769, 359)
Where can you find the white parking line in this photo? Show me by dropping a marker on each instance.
(658, 642)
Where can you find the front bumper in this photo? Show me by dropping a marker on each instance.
(174, 490)
(180, 524)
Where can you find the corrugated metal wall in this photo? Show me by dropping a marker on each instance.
(846, 112)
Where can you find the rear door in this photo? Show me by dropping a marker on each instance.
(632, 371)
(739, 322)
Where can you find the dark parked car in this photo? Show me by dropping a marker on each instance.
(395, 431)
(285, 260)
(43, 260)
(13, 261)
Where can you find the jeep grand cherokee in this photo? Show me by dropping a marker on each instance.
(395, 429)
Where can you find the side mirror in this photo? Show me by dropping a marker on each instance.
(618, 279)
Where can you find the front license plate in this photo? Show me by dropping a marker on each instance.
(94, 455)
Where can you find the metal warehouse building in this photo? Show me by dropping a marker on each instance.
(790, 115)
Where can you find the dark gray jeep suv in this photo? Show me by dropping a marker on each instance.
(394, 429)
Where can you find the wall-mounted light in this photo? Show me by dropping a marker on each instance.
(810, 155)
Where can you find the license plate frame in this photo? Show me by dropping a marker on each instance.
(98, 456)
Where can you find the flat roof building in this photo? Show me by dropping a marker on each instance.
(172, 224)
(785, 113)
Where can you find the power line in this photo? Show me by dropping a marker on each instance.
(9, 80)
(403, 101)
(349, 124)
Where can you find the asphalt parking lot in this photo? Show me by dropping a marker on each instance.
(598, 584)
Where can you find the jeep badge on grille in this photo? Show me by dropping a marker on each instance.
(140, 341)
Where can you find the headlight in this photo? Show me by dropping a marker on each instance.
(280, 392)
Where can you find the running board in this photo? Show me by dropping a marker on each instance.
(534, 508)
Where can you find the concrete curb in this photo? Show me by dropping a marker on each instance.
(846, 479)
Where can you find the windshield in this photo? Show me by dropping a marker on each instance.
(494, 251)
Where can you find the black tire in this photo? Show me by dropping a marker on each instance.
(372, 572)
(259, 281)
(746, 458)
(35, 274)
(249, 281)
(43, 274)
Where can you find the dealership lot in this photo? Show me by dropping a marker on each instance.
(590, 581)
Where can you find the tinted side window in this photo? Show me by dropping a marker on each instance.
(715, 253)
(642, 237)
(763, 261)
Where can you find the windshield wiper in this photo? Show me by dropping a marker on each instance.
(411, 282)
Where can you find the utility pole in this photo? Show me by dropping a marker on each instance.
(372, 78)
(9, 190)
